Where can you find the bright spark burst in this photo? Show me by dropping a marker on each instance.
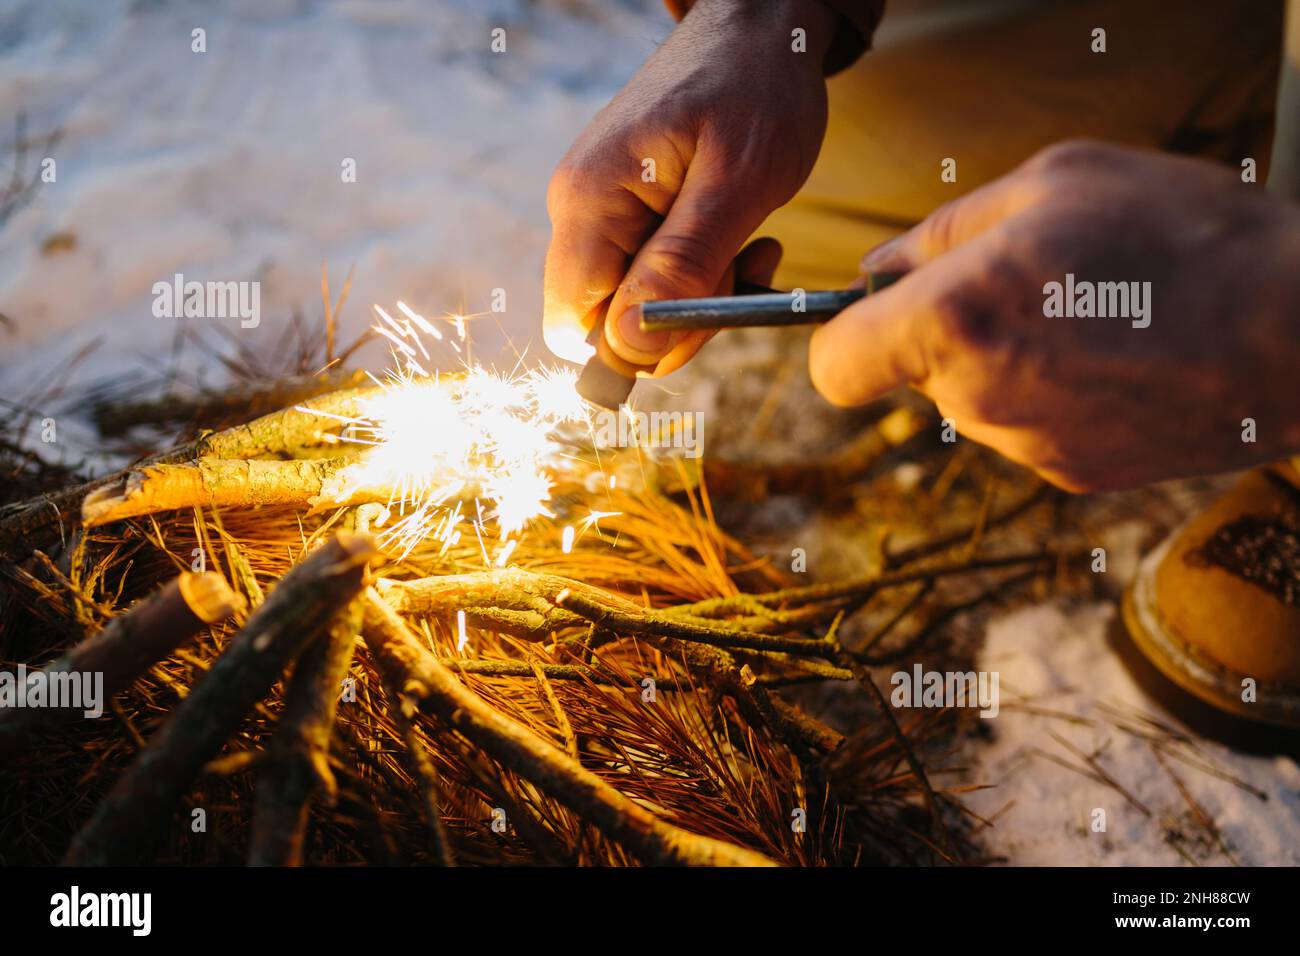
(439, 440)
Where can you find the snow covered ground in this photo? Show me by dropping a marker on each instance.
(1058, 659)
(226, 166)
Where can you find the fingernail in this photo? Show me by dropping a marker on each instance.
(644, 347)
(881, 255)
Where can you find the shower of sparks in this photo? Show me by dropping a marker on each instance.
(437, 442)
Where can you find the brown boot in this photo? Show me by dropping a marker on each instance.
(1216, 608)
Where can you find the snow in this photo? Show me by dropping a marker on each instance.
(1058, 657)
(225, 165)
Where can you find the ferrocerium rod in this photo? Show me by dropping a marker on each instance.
(755, 306)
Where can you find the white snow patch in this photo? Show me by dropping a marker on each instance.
(226, 165)
(1057, 658)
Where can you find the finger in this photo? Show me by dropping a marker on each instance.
(686, 344)
(870, 348)
(685, 258)
(587, 257)
(955, 223)
(886, 339)
(756, 263)
(883, 340)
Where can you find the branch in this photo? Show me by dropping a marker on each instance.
(297, 767)
(803, 734)
(300, 608)
(858, 590)
(409, 666)
(424, 772)
(46, 519)
(529, 598)
(208, 482)
(129, 645)
(659, 624)
(909, 755)
(497, 667)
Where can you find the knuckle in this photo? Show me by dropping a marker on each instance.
(1071, 154)
(685, 263)
(940, 230)
(568, 183)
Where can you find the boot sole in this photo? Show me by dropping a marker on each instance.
(1195, 673)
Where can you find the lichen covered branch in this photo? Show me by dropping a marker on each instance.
(405, 661)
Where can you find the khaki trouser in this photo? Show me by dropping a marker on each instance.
(989, 84)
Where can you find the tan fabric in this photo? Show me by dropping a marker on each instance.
(1197, 77)
(1284, 169)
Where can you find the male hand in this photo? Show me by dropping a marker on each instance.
(732, 119)
(1091, 403)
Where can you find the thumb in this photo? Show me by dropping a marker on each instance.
(871, 347)
(686, 257)
(756, 263)
(953, 224)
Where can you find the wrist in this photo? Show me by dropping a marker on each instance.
(782, 17)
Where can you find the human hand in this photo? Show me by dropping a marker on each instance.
(1091, 403)
(732, 119)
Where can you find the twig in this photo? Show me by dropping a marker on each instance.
(566, 672)
(655, 624)
(909, 755)
(43, 520)
(983, 522)
(424, 771)
(128, 646)
(941, 616)
(555, 602)
(530, 597)
(398, 652)
(857, 590)
(297, 767)
(299, 609)
(758, 481)
(803, 734)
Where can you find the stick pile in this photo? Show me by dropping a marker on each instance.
(307, 697)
